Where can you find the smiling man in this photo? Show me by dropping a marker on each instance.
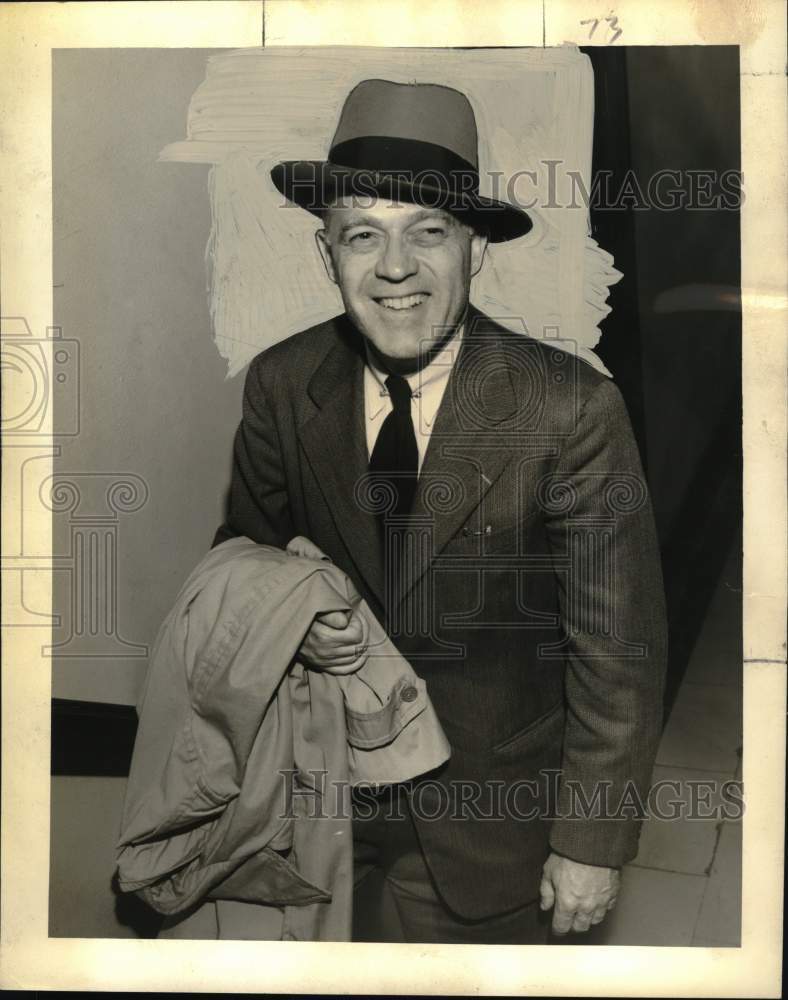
(404, 273)
(461, 475)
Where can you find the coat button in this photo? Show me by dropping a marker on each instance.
(409, 693)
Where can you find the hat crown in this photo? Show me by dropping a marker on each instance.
(407, 142)
(413, 112)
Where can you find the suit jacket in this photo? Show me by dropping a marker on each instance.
(533, 607)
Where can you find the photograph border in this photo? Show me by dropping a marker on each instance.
(30, 959)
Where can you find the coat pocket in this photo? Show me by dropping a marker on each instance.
(536, 731)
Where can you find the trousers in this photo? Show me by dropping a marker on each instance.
(395, 898)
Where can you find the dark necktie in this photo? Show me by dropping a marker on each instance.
(395, 457)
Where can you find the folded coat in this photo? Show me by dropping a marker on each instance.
(240, 780)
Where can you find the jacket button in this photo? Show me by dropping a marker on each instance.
(409, 693)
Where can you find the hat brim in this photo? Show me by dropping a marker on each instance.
(314, 184)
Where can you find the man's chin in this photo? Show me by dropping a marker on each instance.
(400, 348)
(403, 359)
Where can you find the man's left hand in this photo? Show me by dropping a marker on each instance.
(581, 894)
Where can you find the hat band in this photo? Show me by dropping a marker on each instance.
(408, 159)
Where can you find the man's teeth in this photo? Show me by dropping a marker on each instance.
(405, 302)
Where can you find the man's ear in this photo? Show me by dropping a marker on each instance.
(323, 245)
(478, 247)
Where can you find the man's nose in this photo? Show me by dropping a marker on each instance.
(396, 263)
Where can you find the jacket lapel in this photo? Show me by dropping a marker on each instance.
(467, 451)
(334, 440)
(466, 454)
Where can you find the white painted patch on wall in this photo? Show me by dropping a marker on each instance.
(259, 106)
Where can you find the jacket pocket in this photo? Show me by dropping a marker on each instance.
(498, 535)
(535, 730)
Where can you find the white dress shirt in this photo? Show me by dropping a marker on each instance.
(427, 387)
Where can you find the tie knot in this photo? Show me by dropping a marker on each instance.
(399, 390)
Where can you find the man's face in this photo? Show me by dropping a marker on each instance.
(404, 272)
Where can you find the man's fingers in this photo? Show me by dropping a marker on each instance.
(350, 668)
(599, 914)
(334, 619)
(302, 546)
(335, 658)
(344, 671)
(339, 659)
(351, 635)
(585, 919)
(324, 651)
(356, 630)
(563, 917)
(344, 636)
(581, 922)
(547, 893)
(359, 621)
(581, 894)
(335, 644)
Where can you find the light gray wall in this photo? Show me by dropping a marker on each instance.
(129, 276)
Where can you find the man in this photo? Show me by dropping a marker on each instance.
(485, 495)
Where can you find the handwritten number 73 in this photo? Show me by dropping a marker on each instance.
(613, 29)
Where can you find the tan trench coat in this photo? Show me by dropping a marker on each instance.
(237, 807)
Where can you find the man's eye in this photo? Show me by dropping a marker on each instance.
(430, 235)
(365, 236)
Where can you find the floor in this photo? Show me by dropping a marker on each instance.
(684, 887)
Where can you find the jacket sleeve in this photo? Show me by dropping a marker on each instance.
(615, 647)
(258, 501)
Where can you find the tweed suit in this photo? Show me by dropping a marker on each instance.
(534, 609)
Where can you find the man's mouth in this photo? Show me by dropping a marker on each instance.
(403, 301)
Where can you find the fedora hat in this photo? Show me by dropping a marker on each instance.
(409, 142)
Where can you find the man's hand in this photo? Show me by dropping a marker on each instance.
(337, 640)
(582, 894)
(336, 643)
(304, 547)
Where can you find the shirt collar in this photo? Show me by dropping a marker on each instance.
(426, 385)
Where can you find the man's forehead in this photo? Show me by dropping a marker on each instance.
(352, 211)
